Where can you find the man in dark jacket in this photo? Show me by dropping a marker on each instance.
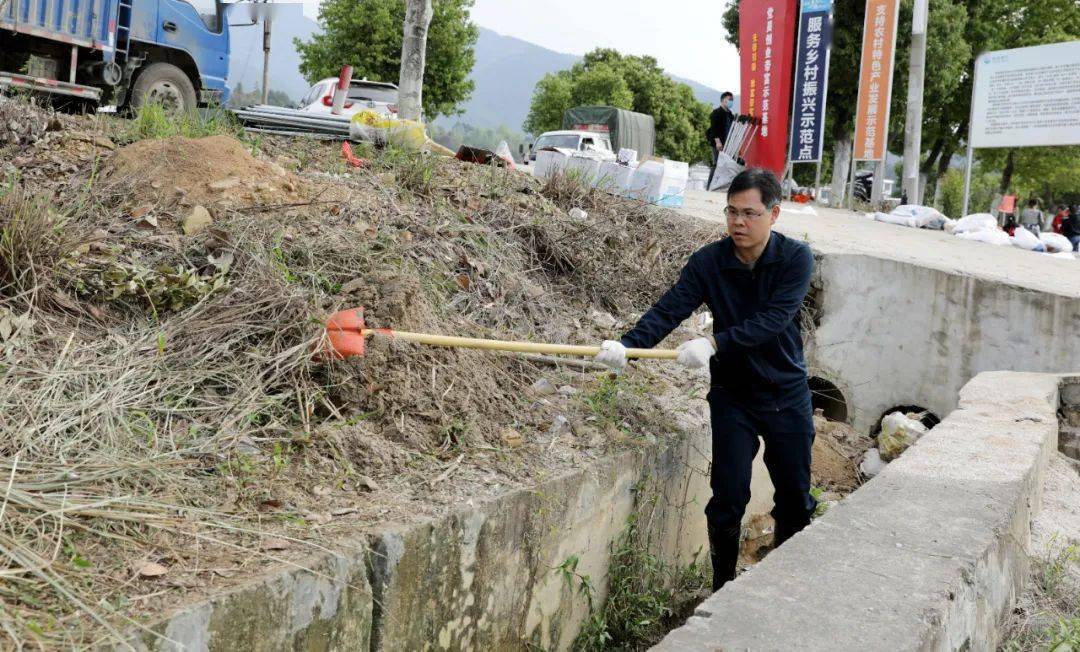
(754, 282)
(719, 125)
(1070, 226)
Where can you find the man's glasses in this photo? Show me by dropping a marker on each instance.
(747, 213)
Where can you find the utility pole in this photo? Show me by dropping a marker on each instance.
(413, 47)
(266, 59)
(913, 120)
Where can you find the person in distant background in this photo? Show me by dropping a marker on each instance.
(719, 126)
(1032, 218)
(1070, 226)
(1062, 213)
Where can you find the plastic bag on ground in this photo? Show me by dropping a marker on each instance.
(726, 169)
(975, 222)
(1055, 242)
(378, 129)
(1027, 240)
(503, 152)
(898, 433)
(872, 464)
(994, 237)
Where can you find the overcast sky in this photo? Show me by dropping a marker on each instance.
(685, 36)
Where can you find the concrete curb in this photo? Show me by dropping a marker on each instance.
(927, 556)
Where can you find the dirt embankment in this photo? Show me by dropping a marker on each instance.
(158, 379)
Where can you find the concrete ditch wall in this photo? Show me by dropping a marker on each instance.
(481, 578)
(927, 556)
(1069, 434)
(898, 334)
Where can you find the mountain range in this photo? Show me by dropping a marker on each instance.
(506, 70)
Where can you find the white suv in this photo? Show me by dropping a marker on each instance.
(364, 95)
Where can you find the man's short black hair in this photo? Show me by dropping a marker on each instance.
(765, 182)
(725, 95)
(1033, 203)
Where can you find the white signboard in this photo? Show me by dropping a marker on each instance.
(1027, 97)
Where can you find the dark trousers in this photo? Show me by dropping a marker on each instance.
(788, 433)
(712, 170)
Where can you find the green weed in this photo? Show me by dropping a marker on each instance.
(153, 121)
(647, 596)
(1048, 616)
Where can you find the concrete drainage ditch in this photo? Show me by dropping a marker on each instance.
(929, 555)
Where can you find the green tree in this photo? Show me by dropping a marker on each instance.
(368, 33)
(606, 77)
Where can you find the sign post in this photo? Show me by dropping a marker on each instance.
(766, 43)
(875, 89)
(1024, 97)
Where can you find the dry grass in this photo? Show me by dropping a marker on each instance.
(1047, 615)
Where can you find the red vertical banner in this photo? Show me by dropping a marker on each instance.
(766, 46)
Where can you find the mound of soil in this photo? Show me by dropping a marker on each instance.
(217, 170)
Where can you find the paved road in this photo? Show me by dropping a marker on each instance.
(841, 231)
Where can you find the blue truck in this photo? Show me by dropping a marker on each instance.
(123, 53)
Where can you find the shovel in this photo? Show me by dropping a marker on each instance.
(347, 335)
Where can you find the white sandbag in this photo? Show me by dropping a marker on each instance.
(1055, 242)
(1025, 239)
(660, 182)
(975, 222)
(1064, 255)
(614, 178)
(994, 237)
(726, 169)
(925, 217)
(627, 156)
(899, 220)
(585, 168)
(550, 162)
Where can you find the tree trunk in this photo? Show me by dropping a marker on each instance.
(841, 169)
(935, 151)
(1006, 174)
(413, 52)
(944, 159)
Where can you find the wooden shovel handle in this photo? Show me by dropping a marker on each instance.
(521, 347)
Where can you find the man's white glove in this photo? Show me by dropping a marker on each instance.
(612, 354)
(695, 354)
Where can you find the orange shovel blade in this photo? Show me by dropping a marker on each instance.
(345, 333)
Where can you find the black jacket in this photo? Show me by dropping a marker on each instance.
(719, 124)
(1070, 226)
(755, 316)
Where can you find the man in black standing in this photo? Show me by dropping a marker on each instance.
(719, 124)
(754, 282)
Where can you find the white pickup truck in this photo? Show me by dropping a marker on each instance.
(579, 141)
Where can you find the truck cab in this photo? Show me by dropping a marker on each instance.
(578, 141)
(122, 52)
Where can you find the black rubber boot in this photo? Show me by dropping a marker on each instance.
(724, 552)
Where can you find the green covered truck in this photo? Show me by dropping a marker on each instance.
(635, 131)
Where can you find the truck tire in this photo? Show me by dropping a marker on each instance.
(164, 84)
